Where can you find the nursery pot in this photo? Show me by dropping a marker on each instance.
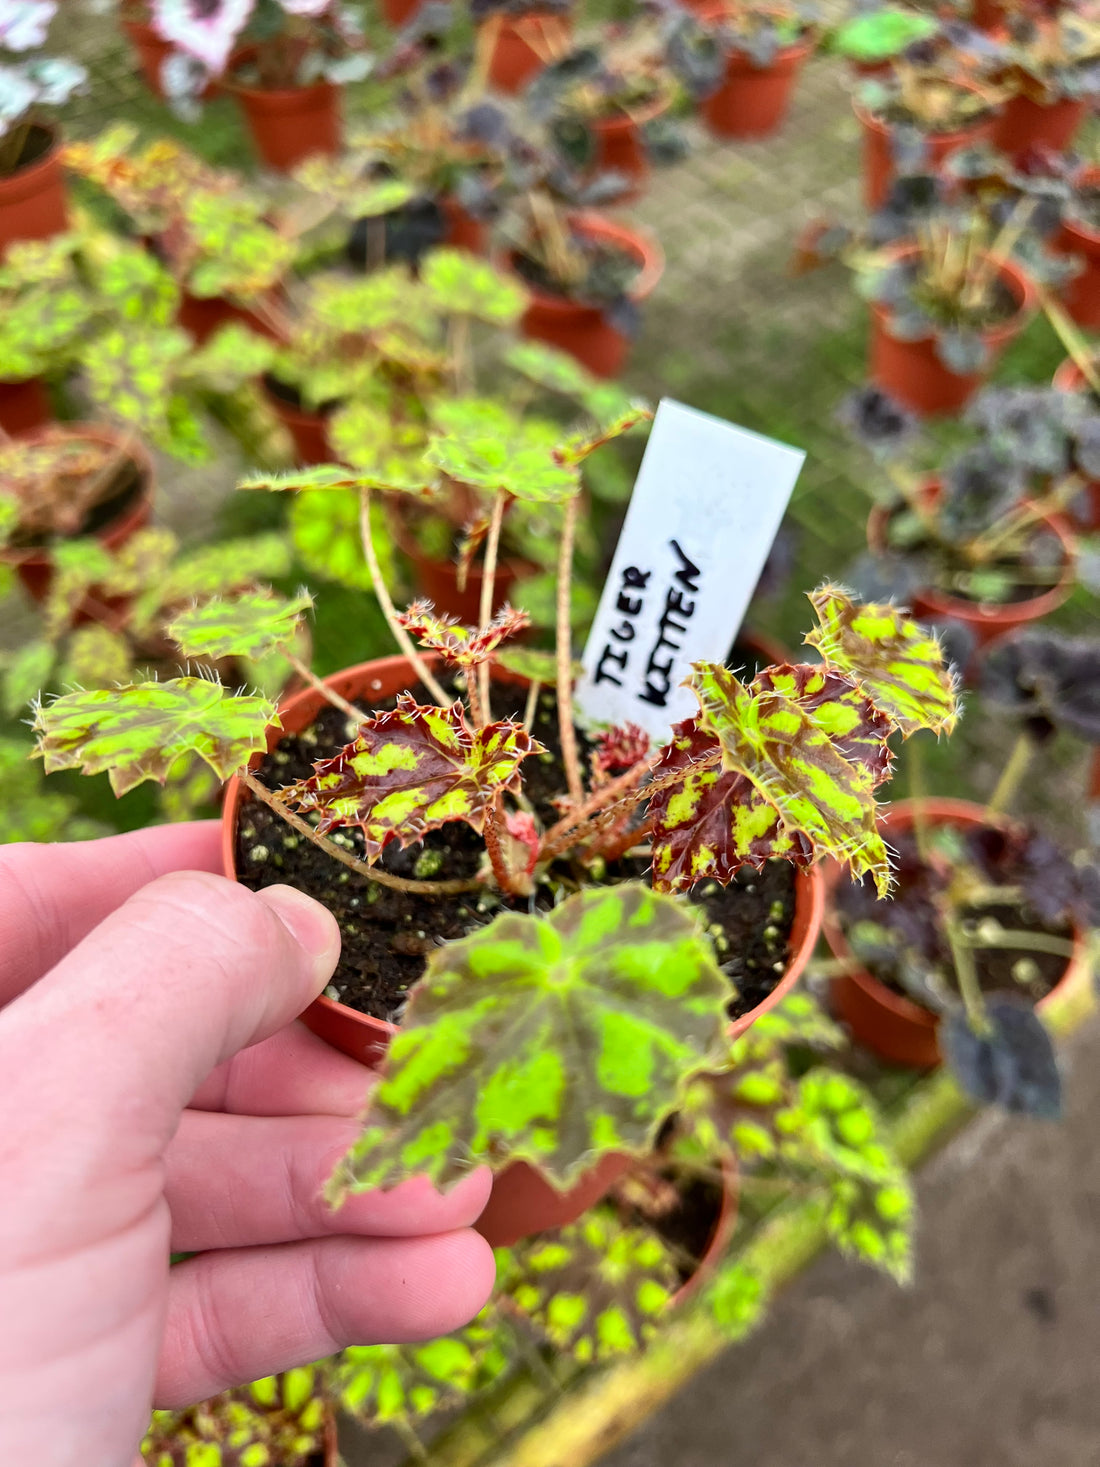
(32, 199)
(725, 1220)
(309, 430)
(152, 51)
(878, 162)
(34, 566)
(398, 13)
(1068, 378)
(584, 331)
(888, 1023)
(1081, 295)
(463, 231)
(524, 44)
(201, 316)
(289, 124)
(522, 1202)
(438, 579)
(912, 372)
(1024, 124)
(24, 406)
(753, 101)
(620, 146)
(987, 622)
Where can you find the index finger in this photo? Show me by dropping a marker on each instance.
(52, 896)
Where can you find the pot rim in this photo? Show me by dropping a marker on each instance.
(809, 891)
(720, 1236)
(941, 810)
(275, 98)
(643, 245)
(980, 613)
(873, 123)
(27, 178)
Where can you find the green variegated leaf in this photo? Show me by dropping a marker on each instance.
(839, 707)
(313, 476)
(385, 452)
(327, 537)
(233, 355)
(577, 448)
(596, 1289)
(479, 442)
(736, 1299)
(32, 809)
(141, 564)
(339, 182)
(898, 662)
(78, 566)
(131, 374)
(386, 1383)
(211, 570)
(533, 664)
(138, 732)
(251, 625)
(558, 371)
(712, 822)
(550, 1038)
(279, 1421)
(461, 284)
(190, 791)
(412, 770)
(9, 517)
(26, 672)
(465, 647)
(96, 657)
(795, 767)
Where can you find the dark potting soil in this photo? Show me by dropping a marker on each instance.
(388, 935)
(999, 304)
(36, 145)
(689, 1227)
(119, 496)
(611, 272)
(949, 570)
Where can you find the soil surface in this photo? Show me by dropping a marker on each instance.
(387, 935)
(120, 493)
(607, 262)
(690, 1226)
(951, 567)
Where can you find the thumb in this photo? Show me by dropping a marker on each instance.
(102, 1055)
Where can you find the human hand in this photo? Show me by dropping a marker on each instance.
(136, 1120)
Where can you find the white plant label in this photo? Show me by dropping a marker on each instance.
(705, 510)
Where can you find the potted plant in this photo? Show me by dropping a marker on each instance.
(605, 108)
(282, 1421)
(586, 275)
(517, 38)
(32, 189)
(285, 64)
(1048, 63)
(1080, 239)
(741, 62)
(921, 114)
(416, 800)
(981, 540)
(877, 36)
(214, 235)
(156, 57)
(66, 481)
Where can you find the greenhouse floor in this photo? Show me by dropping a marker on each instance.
(989, 1360)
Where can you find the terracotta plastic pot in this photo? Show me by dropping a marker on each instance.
(24, 406)
(1024, 125)
(986, 622)
(620, 147)
(438, 579)
(398, 13)
(888, 1023)
(1081, 296)
(524, 44)
(309, 430)
(752, 101)
(32, 199)
(878, 162)
(584, 331)
(464, 232)
(201, 316)
(724, 1223)
(912, 372)
(151, 51)
(522, 1202)
(1068, 378)
(290, 124)
(35, 567)
(987, 15)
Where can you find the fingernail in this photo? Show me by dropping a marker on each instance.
(313, 928)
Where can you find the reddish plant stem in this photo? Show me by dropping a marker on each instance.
(559, 837)
(330, 695)
(353, 863)
(495, 847)
(488, 586)
(566, 732)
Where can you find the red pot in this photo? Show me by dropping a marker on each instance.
(986, 622)
(724, 1223)
(464, 232)
(32, 199)
(584, 331)
(1024, 125)
(35, 567)
(151, 51)
(912, 372)
(398, 13)
(892, 1026)
(290, 124)
(309, 430)
(201, 316)
(878, 162)
(523, 46)
(753, 101)
(620, 147)
(24, 406)
(522, 1202)
(987, 15)
(1081, 296)
(1068, 378)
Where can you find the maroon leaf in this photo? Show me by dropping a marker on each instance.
(619, 748)
(465, 647)
(857, 728)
